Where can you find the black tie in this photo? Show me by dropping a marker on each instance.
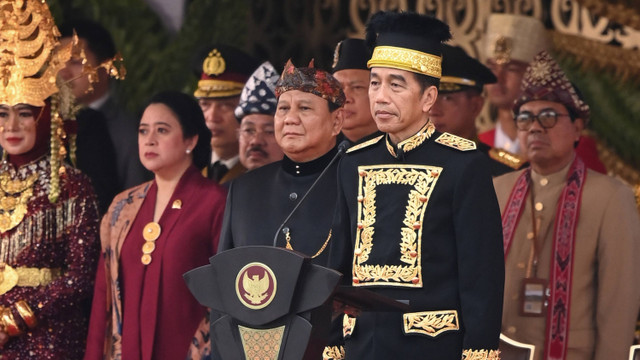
(217, 170)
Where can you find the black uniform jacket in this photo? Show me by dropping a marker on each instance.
(260, 200)
(421, 224)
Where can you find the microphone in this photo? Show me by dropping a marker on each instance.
(342, 147)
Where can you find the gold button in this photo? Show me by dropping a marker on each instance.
(520, 265)
(146, 259)
(529, 235)
(544, 181)
(511, 329)
(539, 206)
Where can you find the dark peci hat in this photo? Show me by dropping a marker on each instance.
(350, 54)
(407, 41)
(545, 80)
(461, 72)
(223, 71)
(309, 79)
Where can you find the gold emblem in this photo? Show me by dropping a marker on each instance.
(214, 64)
(348, 325)
(502, 50)
(151, 231)
(177, 204)
(333, 353)
(503, 156)
(256, 285)
(8, 279)
(414, 141)
(430, 323)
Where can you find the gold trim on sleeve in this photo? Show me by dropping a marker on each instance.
(406, 59)
(421, 179)
(470, 354)
(333, 353)
(430, 323)
(456, 142)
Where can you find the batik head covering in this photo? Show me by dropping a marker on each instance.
(545, 80)
(311, 80)
(514, 37)
(407, 41)
(259, 93)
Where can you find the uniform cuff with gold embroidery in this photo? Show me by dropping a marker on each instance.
(333, 353)
(470, 354)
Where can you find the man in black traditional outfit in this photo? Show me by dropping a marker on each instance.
(417, 214)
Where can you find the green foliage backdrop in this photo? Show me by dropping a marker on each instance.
(155, 58)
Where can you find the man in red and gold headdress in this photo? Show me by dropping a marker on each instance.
(571, 234)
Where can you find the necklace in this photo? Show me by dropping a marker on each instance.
(289, 247)
(14, 197)
(150, 233)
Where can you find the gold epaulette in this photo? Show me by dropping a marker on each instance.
(364, 144)
(456, 142)
(503, 156)
(469, 354)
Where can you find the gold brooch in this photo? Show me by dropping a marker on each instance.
(150, 233)
(177, 204)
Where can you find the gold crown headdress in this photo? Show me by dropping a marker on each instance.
(30, 58)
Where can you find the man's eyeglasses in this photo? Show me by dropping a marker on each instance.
(546, 118)
(250, 132)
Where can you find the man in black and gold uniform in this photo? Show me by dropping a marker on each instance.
(417, 213)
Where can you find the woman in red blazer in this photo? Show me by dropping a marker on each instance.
(152, 234)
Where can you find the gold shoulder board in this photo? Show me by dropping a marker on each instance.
(456, 142)
(364, 144)
(503, 156)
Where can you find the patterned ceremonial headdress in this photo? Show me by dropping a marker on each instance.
(311, 80)
(30, 58)
(545, 80)
(407, 41)
(259, 93)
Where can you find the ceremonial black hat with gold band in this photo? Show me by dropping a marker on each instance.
(223, 71)
(407, 41)
(350, 54)
(462, 72)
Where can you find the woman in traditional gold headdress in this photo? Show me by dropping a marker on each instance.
(48, 214)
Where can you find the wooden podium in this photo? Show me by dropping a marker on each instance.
(272, 303)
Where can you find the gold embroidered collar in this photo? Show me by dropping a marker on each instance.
(411, 143)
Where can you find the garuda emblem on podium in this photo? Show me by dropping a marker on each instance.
(256, 285)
